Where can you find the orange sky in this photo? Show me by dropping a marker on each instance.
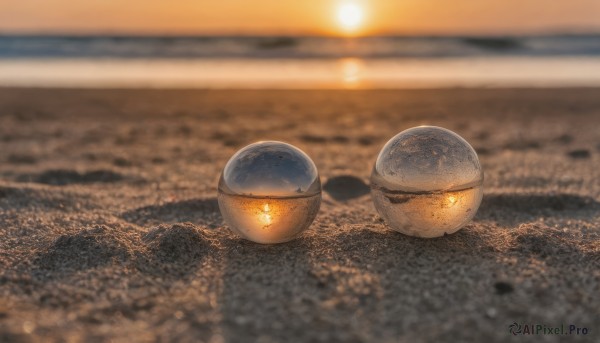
(297, 16)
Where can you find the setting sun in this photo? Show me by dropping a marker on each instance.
(350, 16)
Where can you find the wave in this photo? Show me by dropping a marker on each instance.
(294, 47)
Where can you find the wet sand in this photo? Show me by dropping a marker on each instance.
(110, 229)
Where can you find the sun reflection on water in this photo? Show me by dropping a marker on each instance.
(351, 70)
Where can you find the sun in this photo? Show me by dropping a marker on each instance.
(350, 16)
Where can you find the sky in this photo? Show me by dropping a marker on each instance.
(312, 17)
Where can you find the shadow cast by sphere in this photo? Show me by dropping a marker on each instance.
(386, 279)
(203, 212)
(263, 289)
(362, 246)
(515, 209)
(346, 285)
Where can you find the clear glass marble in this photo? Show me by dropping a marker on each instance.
(427, 182)
(269, 192)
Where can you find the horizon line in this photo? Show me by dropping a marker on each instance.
(593, 32)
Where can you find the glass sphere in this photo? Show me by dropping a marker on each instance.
(427, 182)
(269, 192)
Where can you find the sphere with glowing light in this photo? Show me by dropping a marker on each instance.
(427, 182)
(269, 192)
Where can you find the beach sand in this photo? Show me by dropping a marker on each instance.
(110, 229)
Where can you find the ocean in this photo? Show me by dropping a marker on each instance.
(300, 62)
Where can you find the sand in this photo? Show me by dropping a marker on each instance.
(110, 229)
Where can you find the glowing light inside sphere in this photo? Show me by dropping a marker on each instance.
(265, 216)
(350, 16)
(427, 182)
(269, 192)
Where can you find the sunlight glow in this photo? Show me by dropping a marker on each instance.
(265, 216)
(350, 16)
(451, 200)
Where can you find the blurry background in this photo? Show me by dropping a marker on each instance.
(300, 44)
